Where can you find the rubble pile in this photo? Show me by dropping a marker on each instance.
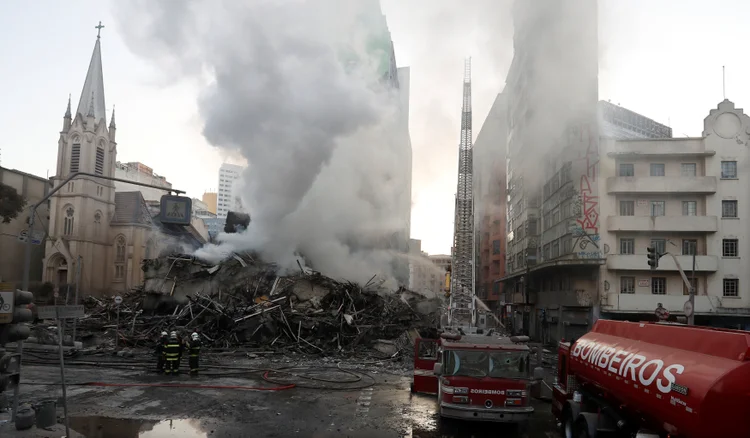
(244, 302)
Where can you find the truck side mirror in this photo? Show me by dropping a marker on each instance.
(538, 373)
(437, 369)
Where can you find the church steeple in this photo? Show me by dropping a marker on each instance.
(67, 118)
(92, 95)
(112, 126)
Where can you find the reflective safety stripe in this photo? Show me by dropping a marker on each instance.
(171, 359)
(194, 355)
(418, 372)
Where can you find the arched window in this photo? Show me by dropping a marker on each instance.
(99, 163)
(68, 221)
(120, 248)
(75, 155)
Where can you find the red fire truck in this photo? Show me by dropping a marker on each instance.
(476, 377)
(625, 379)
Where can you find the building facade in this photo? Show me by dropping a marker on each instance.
(489, 167)
(32, 188)
(139, 172)
(552, 255)
(683, 196)
(210, 198)
(230, 187)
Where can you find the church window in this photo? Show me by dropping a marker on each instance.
(120, 248)
(99, 165)
(75, 157)
(68, 221)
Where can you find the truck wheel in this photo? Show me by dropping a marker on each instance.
(566, 427)
(585, 426)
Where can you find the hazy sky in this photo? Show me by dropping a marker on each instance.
(661, 58)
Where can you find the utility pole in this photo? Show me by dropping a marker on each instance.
(27, 249)
(691, 299)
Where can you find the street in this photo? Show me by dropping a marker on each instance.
(379, 406)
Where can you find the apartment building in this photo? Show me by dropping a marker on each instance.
(229, 196)
(140, 173)
(552, 149)
(683, 196)
(489, 168)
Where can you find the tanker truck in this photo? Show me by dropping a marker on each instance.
(653, 380)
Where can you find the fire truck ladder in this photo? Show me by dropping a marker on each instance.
(462, 312)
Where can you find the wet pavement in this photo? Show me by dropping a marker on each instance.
(384, 409)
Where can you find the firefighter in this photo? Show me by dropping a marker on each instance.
(172, 353)
(194, 351)
(160, 352)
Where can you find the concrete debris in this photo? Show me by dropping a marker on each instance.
(244, 301)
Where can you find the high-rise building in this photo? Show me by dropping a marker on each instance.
(490, 198)
(553, 155)
(229, 193)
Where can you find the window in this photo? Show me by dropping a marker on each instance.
(731, 287)
(627, 285)
(626, 170)
(556, 249)
(68, 221)
(120, 250)
(495, 247)
(627, 208)
(99, 163)
(693, 283)
(75, 157)
(688, 169)
(728, 208)
(627, 246)
(658, 285)
(657, 169)
(689, 208)
(689, 246)
(660, 245)
(657, 208)
(729, 248)
(728, 169)
(567, 245)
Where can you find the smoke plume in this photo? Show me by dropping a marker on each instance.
(294, 87)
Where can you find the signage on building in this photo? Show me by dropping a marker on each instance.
(176, 210)
(643, 203)
(643, 283)
(36, 237)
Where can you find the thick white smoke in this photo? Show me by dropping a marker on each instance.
(294, 87)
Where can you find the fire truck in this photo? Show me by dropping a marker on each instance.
(654, 380)
(476, 377)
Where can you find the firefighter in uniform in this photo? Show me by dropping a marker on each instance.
(194, 351)
(160, 351)
(172, 353)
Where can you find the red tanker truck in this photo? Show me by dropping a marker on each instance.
(625, 379)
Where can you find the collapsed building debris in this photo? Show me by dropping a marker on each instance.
(246, 302)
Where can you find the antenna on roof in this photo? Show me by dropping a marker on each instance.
(723, 82)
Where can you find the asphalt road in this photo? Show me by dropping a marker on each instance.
(384, 408)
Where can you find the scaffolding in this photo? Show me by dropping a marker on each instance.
(462, 311)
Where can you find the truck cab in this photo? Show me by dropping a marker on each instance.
(476, 377)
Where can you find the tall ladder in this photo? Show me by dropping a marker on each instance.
(462, 310)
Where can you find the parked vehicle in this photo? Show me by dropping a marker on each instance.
(625, 379)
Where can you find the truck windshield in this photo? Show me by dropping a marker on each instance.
(483, 363)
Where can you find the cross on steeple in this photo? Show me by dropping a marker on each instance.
(99, 30)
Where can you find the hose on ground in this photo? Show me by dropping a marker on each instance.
(170, 385)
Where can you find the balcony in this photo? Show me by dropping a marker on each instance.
(639, 262)
(660, 148)
(690, 224)
(647, 303)
(662, 184)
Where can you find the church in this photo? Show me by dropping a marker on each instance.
(98, 238)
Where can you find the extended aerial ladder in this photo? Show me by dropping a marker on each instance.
(462, 310)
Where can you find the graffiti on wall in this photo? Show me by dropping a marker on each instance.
(586, 202)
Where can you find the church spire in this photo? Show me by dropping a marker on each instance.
(67, 111)
(92, 95)
(112, 122)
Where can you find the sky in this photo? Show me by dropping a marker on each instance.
(660, 58)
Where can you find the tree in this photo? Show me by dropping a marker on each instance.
(11, 203)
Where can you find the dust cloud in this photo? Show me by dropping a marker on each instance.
(295, 88)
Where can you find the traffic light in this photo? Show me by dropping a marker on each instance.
(13, 329)
(653, 257)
